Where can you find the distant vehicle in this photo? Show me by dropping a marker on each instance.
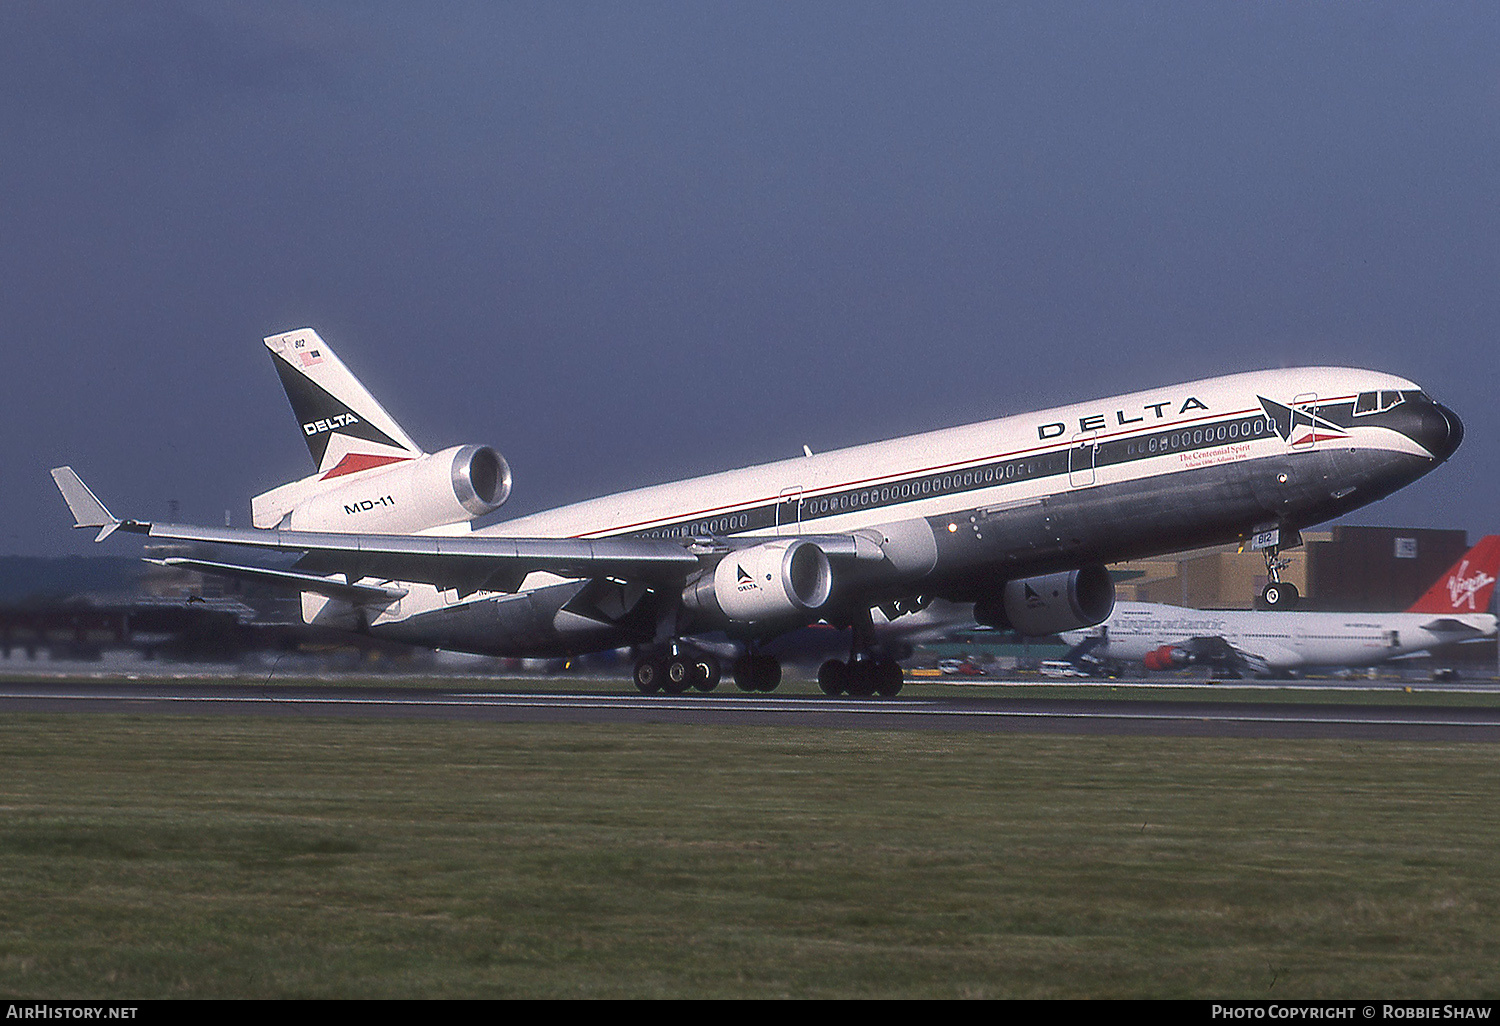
(1060, 668)
(1015, 517)
(1163, 637)
(960, 668)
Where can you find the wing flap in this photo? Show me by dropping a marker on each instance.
(467, 563)
(358, 594)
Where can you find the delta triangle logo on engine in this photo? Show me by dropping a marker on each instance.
(743, 581)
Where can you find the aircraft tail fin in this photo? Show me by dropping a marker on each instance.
(1468, 585)
(346, 430)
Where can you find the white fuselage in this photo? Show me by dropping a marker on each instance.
(959, 510)
(857, 478)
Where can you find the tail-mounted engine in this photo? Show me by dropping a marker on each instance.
(776, 581)
(1038, 606)
(434, 490)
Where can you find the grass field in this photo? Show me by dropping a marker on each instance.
(218, 857)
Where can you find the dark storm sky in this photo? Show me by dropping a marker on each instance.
(630, 242)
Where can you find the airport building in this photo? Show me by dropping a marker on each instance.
(1348, 569)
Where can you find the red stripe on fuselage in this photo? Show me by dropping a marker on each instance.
(943, 468)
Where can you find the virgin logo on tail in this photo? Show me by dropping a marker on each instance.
(1468, 584)
(1461, 588)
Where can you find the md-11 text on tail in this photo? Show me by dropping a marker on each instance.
(1017, 516)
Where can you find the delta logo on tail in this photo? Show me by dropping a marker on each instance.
(1468, 585)
(321, 414)
(1300, 426)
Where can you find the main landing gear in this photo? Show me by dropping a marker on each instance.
(680, 667)
(683, 669)
(677, 671)
(861, 677)
(865, 673)
(755, 671)
(1278, 594)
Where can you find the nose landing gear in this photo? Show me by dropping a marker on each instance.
(1278, 594)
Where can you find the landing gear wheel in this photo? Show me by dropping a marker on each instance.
(862, 678)
(888, 678)
(649, 674)
(767, 672)
(679, 675)
(833, 677)
(1279, 595)
(707, 673)
(757, 673)
(744, 678)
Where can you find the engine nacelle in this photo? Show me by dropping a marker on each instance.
(1168, 657)
(1038, 606)
(435, 490)
(775, 581)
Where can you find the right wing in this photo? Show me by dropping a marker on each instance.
(465, 563)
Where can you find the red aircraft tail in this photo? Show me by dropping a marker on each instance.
(1467, 585)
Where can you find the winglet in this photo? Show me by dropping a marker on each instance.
(87, 510)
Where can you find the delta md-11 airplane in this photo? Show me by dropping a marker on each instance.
(1016, 516)
(1163, 637)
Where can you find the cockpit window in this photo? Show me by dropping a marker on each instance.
(1376, 402)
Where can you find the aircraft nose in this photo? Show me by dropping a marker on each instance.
(1439, 431)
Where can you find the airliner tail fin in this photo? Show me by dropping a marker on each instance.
(346, 430)
(1468, 585)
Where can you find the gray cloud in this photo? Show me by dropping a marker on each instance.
(627, 243)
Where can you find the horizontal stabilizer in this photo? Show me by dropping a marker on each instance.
(1450, 625)
(357, 594)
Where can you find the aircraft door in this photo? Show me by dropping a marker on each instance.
(789, 511)
(1304, 426)
(1081, 457)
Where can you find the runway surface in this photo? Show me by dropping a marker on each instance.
(995, 712)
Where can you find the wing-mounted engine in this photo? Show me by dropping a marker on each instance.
(1038, 606)
(1167, 657)
(433, 490)
(1206, 651)
(780, 580)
